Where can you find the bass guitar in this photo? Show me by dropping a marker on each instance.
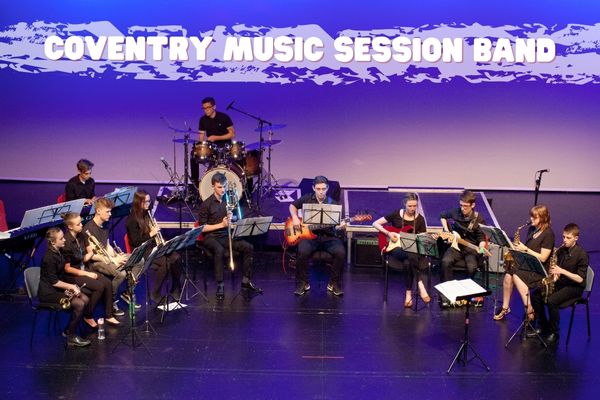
(293, 236)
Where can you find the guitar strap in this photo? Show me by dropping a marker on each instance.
(473, 222)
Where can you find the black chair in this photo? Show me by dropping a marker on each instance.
(206, 259)
(395, 265)
(583, 300)
(32, 281)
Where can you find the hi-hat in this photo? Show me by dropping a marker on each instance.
(265, 143)
(273, 127)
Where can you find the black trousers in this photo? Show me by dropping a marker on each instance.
(551, 323)
(414, 265)
(164, 265)
(219, 247)
(95, 289)
(331, 245)
(452, 256)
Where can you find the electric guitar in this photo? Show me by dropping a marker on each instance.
(458, 240)
(294, 236)
(386, 244)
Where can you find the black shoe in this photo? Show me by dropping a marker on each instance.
(220, 292)
(117, 312)
(78, 341)
(301, 288)
(251, 287)
(335, 288)
(533, 333)
(551, 338)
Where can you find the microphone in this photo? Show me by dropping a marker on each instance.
(230, 105)
(541, 171)
(165, 163)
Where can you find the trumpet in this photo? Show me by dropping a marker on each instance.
(159, 237)
(98, 249)
(65, 302)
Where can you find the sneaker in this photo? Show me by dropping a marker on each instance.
(117, 312)
(127, 300)
(301, 288)
(335, 288)
(251, 287)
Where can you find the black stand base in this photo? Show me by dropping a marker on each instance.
(462, 353)
(166, 301)
(132, 338)
(525, 324)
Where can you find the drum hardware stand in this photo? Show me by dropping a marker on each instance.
(271, 185)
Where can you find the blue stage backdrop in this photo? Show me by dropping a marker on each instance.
(364, 123)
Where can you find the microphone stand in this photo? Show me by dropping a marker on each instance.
(261, 124)
(538, 182)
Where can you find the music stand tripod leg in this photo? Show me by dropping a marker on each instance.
(462, 353)
(136, 341)
(166, 299)
(148, 328)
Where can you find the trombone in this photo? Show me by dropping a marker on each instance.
(232, 201)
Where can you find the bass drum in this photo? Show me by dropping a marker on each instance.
(233, 173)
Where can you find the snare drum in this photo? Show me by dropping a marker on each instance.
(204, 151)
(237, 151)
(233, 173)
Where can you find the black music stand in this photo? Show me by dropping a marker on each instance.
(137, 256)
(500, 238)
(192, 237)
(250, 227)
(527, 262)
(321, 214)
(463, 290)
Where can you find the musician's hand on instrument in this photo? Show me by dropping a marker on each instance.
(555, 270)
(393, 236)
(75, 289)
(520, 246)
(121, 259)
(92, 275)
(154, 231)
(296, 222)
(342, 225)
(225, 222)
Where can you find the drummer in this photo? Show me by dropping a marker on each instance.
(214, 127)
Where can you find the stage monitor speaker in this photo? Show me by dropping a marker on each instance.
(334, 188)
(366, 252)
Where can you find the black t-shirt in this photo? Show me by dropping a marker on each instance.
(98, 232)
(52, 271)
(136, 232)
(216, 126)
(465, 226)
(77, 190)
(575, 260)
(545, 240)
(311, 198)
(74, 250)
(397, 221)
(212, 211)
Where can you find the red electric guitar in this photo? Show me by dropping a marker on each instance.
(385, 244)
(294, 236)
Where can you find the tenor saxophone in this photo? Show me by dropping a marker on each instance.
(549, 281)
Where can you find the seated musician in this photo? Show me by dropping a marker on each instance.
(98, 263)
(326, 241)
(216, 127)
(213, 214)
(406, 220)
(569, 274)
(97, 286)
(53, 285)
(82, 185)
(140, 227)
(539, 243)
(466, 223)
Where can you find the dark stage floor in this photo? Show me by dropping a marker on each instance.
(313, 347)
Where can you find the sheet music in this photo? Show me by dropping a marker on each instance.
(465, 287)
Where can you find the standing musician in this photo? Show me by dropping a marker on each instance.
(326, 241)
(539, 243)
(466, 222)
(82, 185)
(141, 227)
(407, 220)
(53, 285)
(98, 263)
(214, 216)
(96, 285)
(216, 127)
(569, 273)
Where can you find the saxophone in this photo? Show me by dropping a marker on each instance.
(509, 261)
(549, 281)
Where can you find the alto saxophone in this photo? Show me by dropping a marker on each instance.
(509, 261)
(549, 281)
(65, 302)
(98, 249)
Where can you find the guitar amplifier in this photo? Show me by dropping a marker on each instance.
(366, 252)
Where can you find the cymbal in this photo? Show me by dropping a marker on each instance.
(274, 127)
(182, 140)
(266, 143)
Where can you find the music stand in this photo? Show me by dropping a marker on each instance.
(321, 214)
(137, 256)
(500, 238)
(192, 238)
(463, 290)
(529, 263)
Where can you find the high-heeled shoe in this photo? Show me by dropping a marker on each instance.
(93, 327)
(531, 315)
(113, 323)
(501, 314)
(408, 304)
(426, 299)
